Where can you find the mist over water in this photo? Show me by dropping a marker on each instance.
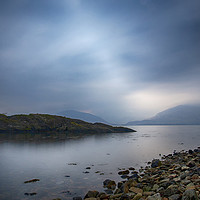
(60, 164)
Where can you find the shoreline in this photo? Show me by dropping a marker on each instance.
(174, 177)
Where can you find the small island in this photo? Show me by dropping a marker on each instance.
(38, 123)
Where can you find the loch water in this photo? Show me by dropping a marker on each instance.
(60, 163)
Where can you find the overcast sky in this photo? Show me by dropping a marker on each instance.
(119, 59)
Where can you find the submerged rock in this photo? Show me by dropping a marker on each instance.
(30, 194)
(32, 180)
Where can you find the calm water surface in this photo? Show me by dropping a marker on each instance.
(50, 160)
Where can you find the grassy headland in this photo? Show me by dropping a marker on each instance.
(37, 123)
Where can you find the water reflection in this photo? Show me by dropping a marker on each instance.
(48, 158)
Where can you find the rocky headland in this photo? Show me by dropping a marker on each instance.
(39, 123)
(174, 177)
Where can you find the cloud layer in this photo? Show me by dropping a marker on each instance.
(122, 60)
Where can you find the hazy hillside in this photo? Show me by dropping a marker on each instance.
(82, 116)
(35, 123)
(183, 115)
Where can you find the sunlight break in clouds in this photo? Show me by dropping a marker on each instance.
(151, 101)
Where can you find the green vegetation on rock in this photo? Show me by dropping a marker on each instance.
(37, 123)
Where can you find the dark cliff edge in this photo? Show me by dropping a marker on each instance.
(39, 123)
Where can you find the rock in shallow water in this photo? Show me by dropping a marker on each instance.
(109, 184)
(155, 163)
(32, 180)
(91, 194)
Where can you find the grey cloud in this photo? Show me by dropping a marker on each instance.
(88, 55)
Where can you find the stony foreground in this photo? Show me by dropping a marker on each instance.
(174, 177)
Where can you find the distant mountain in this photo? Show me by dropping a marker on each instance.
(179, 115)
(82, 116)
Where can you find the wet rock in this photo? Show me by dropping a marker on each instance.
(195, 176)
(136, 190)
(88, 168)
(30, 194)
(120, 184)
(186, 182)
(165, 184)
(125, 172)
(190, 151)
(178, 179)
(146, 188)
(148, 193)
(103, 195)
(91, 194)
(154, 197)
(116, 196)
(32, 180)
(126, 187)
(190, 195)
(155, 163)
(109, 184)
(164, 180)
(191, 164)
(183, 175)
(108, 191)
(124, 176)
(125, 197)
(184, 168)
(196, 150)
(137, 196)
(172, 189)
(175, 197)
(190, 186)
(118, 191)
(155, 187)
(161, 190)
(134, 176)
